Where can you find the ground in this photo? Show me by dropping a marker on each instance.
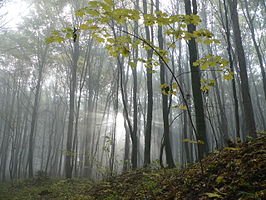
(237, 172)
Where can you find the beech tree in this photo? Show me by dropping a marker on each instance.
(247, 104)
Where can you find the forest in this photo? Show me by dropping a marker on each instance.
(95, 89)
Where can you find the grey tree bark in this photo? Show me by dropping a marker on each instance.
(244, 84)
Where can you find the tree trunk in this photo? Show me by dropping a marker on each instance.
(166, 127)
(195, 81)
(73, 84)
(35, 112)
(229, 49)
(248, 109)
(148, 125)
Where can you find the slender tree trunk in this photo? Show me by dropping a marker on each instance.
(148, 125)
(247, 103)
(35, 112)
(195, 81)
(73, 84)
(252, 30)
(229, 49)
(167, 142)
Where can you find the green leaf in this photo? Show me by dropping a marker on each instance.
(84, 27)
(109, 2)
(132, 64)
(99, 39)
(93, 4)
(94, 13)
(208, 41)
(80, 13)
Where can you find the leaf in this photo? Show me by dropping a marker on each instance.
(205, 88)
(212, 64)
(132, 64)
(99, 39)
(93, 4)
(84, 27)
(195, 64)
(228, 77)
(193, 141)
(149, 20)
(231, 148)
(219, 179)
(109, 2)
(94, 13)
(204, 66)
(173, 93)
(213, 195)
(209, 56)
(152, 71)
(80, 13)
(125, 51)
(174, 86)
(208, 41)
(183, 108)
(164, 85)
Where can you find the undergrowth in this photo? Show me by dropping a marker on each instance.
(234, 173)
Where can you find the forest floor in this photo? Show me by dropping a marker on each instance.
(237, 172)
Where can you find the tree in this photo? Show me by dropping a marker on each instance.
(148, 126)
(42, 61)
(247, 104)
(196, 84)
(250, 21)
(165, 104)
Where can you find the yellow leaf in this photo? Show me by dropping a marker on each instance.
(183, 108)
(173, 93)
(164, 85)
(193, 141)
(213, 195)
(228, 77)
(231, 148)
(174, 86)
(205, 88)
(195, 64)
(204, 66)
(209, 56)
(219, 179)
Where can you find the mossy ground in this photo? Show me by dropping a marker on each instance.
(233, 173)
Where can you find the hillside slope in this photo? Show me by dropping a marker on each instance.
(233, 173)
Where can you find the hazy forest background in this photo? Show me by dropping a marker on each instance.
(73, 106)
